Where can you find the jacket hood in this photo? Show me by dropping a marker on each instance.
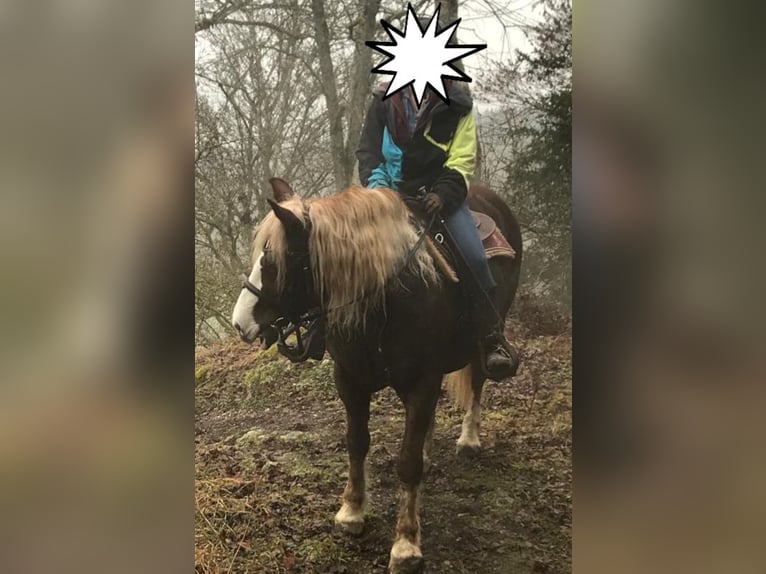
(459, 98)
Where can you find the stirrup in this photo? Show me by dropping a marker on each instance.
(502, 347)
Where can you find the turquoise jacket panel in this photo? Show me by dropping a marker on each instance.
(388, 173)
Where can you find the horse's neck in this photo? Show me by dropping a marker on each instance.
(357, 259)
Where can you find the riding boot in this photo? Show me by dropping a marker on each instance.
(501, 359)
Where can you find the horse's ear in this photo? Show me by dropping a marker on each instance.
(282, 190)
(293, 226)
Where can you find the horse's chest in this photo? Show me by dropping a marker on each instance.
(377, 365)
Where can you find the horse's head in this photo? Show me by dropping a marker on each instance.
(278, 297)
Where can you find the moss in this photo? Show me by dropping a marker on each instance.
(265, 372)
(321, 550)
(201, 373)
(299, 490)
(252, 438)
(315, 373)
(300, 464)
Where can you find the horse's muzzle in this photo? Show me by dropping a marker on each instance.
(268, 337)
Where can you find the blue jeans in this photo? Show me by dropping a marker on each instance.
(463, 229)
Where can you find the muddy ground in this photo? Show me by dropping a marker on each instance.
(271, 464)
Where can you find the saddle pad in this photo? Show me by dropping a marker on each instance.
(496, 245)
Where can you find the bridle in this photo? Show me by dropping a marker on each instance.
(308, 324)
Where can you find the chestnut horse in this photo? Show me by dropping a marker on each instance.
(389, 319)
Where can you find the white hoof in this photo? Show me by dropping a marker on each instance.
(406, 558)
(350, 520)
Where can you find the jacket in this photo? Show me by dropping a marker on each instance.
(440, 154)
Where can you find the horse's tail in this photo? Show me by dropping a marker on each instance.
(459, 386)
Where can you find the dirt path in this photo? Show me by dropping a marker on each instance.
(271, 464)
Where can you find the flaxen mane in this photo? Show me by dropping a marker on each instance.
(360, 239)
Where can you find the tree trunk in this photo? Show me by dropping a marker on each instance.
(449, 10)
(360, 86)
(330, 93)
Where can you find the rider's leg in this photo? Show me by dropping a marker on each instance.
(499, 361)
(463, 229)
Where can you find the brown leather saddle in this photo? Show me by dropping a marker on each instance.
(495, 245)
(485, 225)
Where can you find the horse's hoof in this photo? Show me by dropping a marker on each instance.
(349, 521)
(406, 558)
(468, 450)
(353, 528)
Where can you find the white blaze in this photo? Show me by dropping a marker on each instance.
(243, 310)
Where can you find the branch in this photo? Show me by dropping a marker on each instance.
(262, 24)
(203, 23)
(221, 16)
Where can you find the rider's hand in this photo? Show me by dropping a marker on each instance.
(433, 203)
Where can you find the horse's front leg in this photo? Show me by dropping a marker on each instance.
(350, 517)
(420, 403)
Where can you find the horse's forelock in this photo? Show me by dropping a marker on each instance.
(271, 234)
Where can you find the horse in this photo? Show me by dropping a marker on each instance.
(389, 319)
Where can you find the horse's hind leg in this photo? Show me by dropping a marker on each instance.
(469, 444)
(420, 403)
(350, 517)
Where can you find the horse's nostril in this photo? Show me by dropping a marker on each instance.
(238, 328)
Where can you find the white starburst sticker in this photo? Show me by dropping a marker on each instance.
(420, 58)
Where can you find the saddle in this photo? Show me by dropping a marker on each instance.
(495, 245)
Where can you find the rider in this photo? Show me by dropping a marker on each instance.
(405, 147)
